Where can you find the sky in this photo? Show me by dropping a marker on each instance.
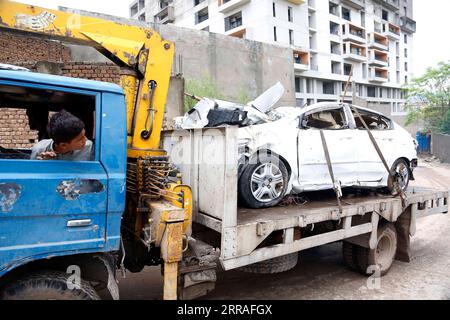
(431, 42)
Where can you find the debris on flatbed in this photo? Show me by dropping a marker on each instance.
(209, 113)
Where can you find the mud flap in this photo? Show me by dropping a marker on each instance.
(403, 227)
(197, 271)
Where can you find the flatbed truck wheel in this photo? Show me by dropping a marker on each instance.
(275, 265)
(47, 285)
(384, 253)
(349, 254)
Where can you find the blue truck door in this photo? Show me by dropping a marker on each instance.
(52, 207)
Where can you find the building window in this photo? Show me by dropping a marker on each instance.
(405, 38)
(346, 14)
(134, 10)
(328, 87)
(309, 86)
(406, 53)
(334, 9)
(347, 69)
(335, 67)
(233, 21)
(142, 17)
(291, 37)
(406, 79)
(363, 19)
(406, 66)
(201, 16)
(334, 28)
(384, 15)
(298, 85)
(371, 91)
(290, 16)
(197, 2)
(274, 10)
(274, 33)
(364, 70)
(335, 47)
(163, 3)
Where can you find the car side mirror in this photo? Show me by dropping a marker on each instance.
(303, 123)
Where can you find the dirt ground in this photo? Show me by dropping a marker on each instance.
(321, 273)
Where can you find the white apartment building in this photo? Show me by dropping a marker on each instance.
(328, 37)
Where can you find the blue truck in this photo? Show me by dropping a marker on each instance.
(51, 210)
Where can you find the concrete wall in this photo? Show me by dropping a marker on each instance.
(440, 146)
(235, 65)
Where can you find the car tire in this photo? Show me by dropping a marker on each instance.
(401, 167)
(263, 184)
(47, 285)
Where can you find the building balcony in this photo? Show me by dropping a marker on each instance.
(354, 52)
(391, 31)
(378, 58)
(407, 24)
(296, 1)
(378, 41)
(390, 4)
(226, 6)
(357, 4)
(352, 32)
(166, 15)
(301, 60)
(379, 75)
(238, 32)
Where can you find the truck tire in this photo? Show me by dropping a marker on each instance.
(384, 254)
(264, 184)
(275, 265)
(47, 285)
(349, 253)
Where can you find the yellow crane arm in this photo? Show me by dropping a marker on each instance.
(143, 51)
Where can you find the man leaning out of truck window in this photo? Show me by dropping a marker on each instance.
(67, 140)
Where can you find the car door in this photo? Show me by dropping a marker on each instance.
(312, 164)
(371, 169)
(49, 206)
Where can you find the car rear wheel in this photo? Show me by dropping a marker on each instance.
(263, 184)
(401, 178)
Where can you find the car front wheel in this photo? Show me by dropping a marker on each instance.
(263, 184)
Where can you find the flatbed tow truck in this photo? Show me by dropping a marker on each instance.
(119, 220)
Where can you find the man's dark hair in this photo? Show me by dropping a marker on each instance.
(64, 127)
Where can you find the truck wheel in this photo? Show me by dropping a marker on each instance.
(47, 285)
(384, 254)
(275, 265)
(264, 184)
(349, 253)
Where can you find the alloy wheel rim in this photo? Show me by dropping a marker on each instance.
(267, 182)
(403, 175)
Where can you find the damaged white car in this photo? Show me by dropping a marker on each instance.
(287, 155)
(281, 151)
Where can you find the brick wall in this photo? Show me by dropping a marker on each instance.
(18, 49)
(98, 71)
(27, 51)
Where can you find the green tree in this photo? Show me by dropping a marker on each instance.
(428, 99)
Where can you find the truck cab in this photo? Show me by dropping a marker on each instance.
(55, 208)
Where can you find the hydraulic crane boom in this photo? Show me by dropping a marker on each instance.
(147, 56)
